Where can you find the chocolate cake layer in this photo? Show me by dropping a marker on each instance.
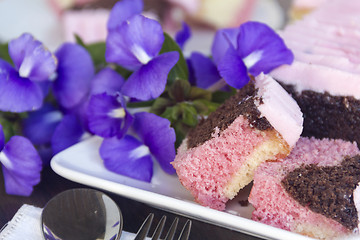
(327, 190)
(327, 116)
(242, 103)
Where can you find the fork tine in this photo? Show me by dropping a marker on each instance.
(145, 227)
(159, 228)
(171, 232)
(185, 232)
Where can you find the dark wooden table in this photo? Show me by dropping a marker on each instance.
(133, 212)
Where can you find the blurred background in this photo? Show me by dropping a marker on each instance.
(56, 21)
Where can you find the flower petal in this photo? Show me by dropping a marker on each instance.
(31, 58)
(127, 156)
(39, 126)
(75, 72)
(135, 42)
(149, 81)
(205, 70)
(233, 70)
(17, 94)
(2, 138)
(107, 80)
(156, 133)
(68, 132)
(21, 166)
(122, 11)
(261, 48)
(222, 40)
(183, 35)
(107, 116)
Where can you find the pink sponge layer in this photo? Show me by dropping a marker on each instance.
(206, 169)
(274, 206)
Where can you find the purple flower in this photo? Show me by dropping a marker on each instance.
(127, 156)
(74, 75)
(21, 165)
(2, 137)
(132, 157)
(135, 44)
(205, 71)
(182, 36)
(123, 10)
(19, 86)
(39, 127)
(258, 49)
(31, 58)
(156, 133)
(223, 39)
(68, 132)
(107, 115)
(108, 81)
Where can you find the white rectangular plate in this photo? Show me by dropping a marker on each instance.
(82, 163)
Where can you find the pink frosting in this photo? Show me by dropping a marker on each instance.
(205, 170)
(319, 79)
(326, 49)
(341, 63)
(279, 108)
(338, 12)
(274, 206)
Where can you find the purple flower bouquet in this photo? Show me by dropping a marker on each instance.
(136, 90)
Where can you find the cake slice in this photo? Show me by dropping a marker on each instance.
(324, 79)
(311, 191)
(218, 158)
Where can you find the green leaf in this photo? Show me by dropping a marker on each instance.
(97, 52)
(205, 107)
(199, 93)
(79, 40)
(181, 131)
(160, 104)
(4, 53)
(172, 113)
(180, 70)
(189, 114)
(140, 104)
(179, 90)
(222, 96)
(10, 126)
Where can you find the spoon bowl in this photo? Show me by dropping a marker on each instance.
(81, 214)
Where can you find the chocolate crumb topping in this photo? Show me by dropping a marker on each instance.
(242, 103)
(327, 116)
(327, 190)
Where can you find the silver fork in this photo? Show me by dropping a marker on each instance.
(145, 227)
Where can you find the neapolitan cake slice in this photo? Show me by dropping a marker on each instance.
(311, 191)
(218, 158)
(324, 79)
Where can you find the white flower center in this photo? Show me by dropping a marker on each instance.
(140, 54)
(53, 116)
(251, 59)
(117, 113)
(140, 152)
(5, 160)
(26, 67)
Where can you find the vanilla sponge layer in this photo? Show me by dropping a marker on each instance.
(215, 171)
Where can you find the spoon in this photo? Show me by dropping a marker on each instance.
(81, 214)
